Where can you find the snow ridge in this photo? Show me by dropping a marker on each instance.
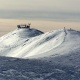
(32, 43)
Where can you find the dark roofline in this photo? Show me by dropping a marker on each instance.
(23, 26)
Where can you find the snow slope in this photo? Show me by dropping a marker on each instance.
(23, 43)
(54, 55)
(69, 43)
(16, 38)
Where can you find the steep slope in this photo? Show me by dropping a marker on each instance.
(51, 44)
(39, 45)
(43, 44)
(70, 44)
(54, 55)
(16, 38)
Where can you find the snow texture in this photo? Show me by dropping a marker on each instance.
(25, 69)
(53, 55)
(32, 43)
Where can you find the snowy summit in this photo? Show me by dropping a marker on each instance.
(32, 43)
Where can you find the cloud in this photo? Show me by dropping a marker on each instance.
(48, 5)
(57, 16)
(52, 9)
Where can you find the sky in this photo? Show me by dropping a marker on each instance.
(46, 9)
(65, 11)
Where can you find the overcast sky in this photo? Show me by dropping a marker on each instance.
(44, 15)
(46, 9)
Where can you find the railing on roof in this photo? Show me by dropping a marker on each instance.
(23, 26)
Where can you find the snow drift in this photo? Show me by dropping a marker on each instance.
(32, 43)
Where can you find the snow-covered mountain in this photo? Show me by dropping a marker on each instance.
(32, 43)
(14, 39)
(53, 55)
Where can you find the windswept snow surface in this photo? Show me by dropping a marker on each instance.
(28, 69)
(14, 39)
(54, 55)
(25, 43)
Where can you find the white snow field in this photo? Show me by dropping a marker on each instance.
(34, 55)
(32, 43)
